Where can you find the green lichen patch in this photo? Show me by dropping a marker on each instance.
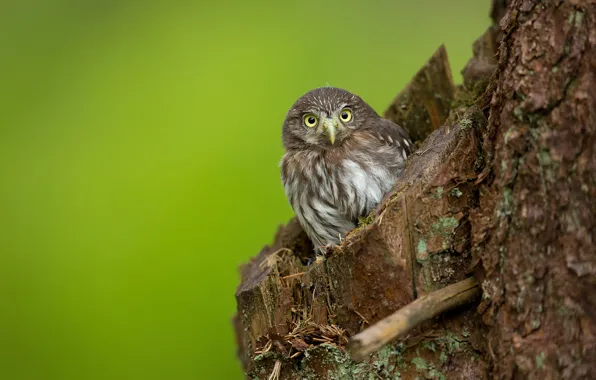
(548, 168)
(428, 370)
(462, 108)
(455, 192)
(466, 123)
(421, 251)
(450, 342)
(330, 361)
(506, 205)
(420, 363)
(540, 360)
(443, 357)
(421, 247)
(264, 356)
(578, 17)
(434, 253)
(444, 227)
(518, 113)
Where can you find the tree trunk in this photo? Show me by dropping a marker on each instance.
(535, 226)
(501, 186)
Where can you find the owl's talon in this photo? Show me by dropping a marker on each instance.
(312, 260)
(327, 249)
(321, 253)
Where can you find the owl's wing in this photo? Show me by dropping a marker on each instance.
(393, 135)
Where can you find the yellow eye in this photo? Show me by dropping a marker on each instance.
(345, 115)
(310, 120)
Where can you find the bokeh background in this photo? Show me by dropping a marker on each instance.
(139, 144)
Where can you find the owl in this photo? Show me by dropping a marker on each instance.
(340, 159)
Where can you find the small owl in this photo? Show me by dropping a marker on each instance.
(341, 158)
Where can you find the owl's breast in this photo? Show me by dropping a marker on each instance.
(365, 185)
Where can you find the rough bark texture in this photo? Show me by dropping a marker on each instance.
(504, 189)
(535, 227)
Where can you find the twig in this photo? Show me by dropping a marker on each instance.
(273, 258)
(276, 371)
(293, 275)
(408, 317)
(419, 153)
(265, 348)
(361, 317)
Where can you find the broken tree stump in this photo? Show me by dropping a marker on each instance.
(292, 316)
(298, 315)
(425, 103)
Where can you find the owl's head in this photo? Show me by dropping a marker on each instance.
(325, 117)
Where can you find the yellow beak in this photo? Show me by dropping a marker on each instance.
(330, 128)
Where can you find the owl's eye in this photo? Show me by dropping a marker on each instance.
(310, 120)
(345, 115)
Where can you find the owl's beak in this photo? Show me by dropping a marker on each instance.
(330, 128)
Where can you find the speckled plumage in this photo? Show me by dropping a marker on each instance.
(337, 171)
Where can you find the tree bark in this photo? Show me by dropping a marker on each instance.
(535, 227)
(503, 190)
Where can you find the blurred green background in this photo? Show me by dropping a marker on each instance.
(139, 144)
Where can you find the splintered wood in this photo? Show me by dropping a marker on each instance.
(425, 103)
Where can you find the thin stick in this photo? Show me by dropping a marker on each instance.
(276, 371)
(362, 317)
(408, 317)
(293, 275)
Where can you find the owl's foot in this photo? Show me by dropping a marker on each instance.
(321, 253)
(329, 248)
(316, 259)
